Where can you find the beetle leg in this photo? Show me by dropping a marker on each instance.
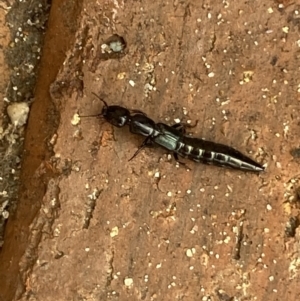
(181, 127)
(146, 143)
(175, 155)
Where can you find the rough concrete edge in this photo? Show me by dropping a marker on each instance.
(22, 262)
(26, 21)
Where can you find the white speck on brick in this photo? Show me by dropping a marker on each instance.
(131, 83)
(128, 282)
(114, 232)
(189, 253)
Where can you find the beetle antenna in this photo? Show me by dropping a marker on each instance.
(106, 105)
(97, 115)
